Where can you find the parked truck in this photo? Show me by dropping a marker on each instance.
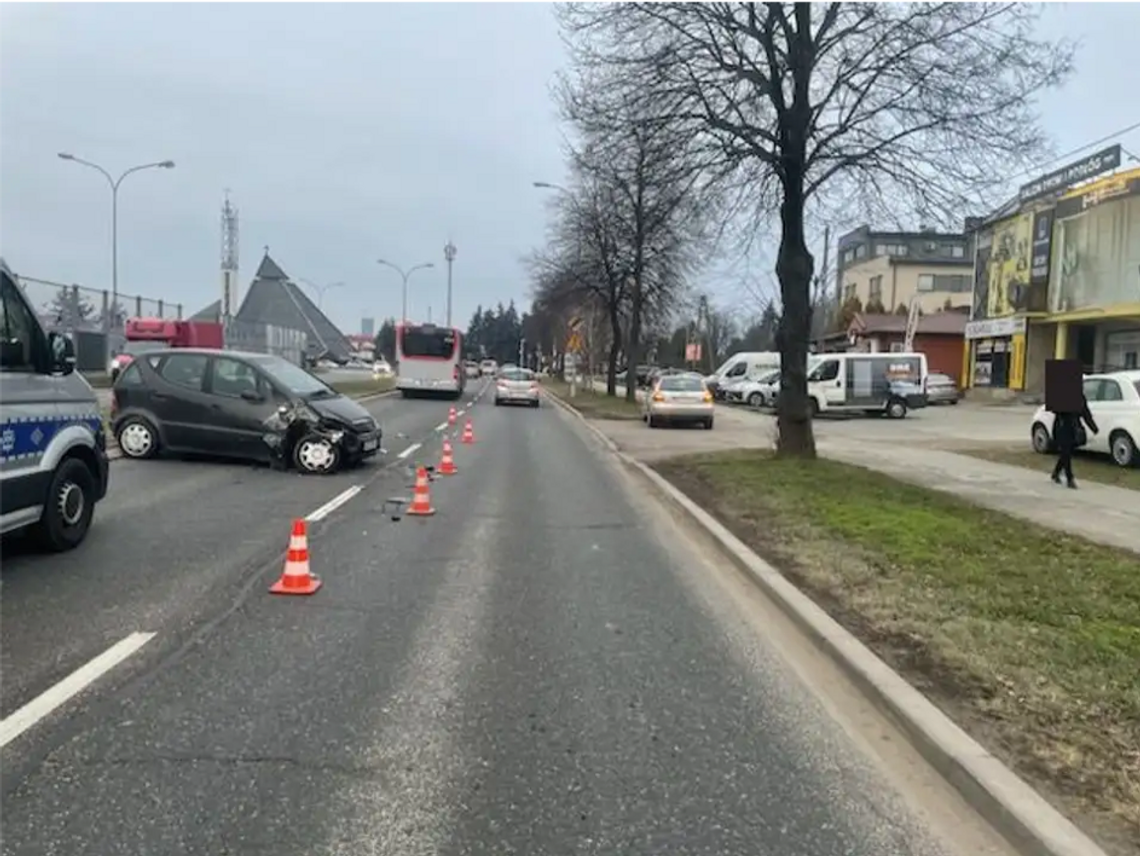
(156, 334)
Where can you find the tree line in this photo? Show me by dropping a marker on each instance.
(696, 126)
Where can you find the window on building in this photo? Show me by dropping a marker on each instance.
(931, 247)
(957, 251)
(848, 291)
(926, 282)
(860, 251)
(891, 250)
(876, 292)
(952, 282)
(897, 347)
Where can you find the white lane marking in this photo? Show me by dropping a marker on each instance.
(333, 504)
(460, 413)
(72, 685)
(408, 450)
(442, 426)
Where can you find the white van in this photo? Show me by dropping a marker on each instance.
(869, 383)
(740, 366)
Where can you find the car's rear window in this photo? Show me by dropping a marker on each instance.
(680, 383)
(517, 374)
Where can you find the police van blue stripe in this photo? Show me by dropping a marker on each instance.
(30, 436)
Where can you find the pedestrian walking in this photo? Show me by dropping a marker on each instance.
(1068, 435)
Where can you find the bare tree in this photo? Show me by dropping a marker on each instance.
(658, 179)
(922, 107)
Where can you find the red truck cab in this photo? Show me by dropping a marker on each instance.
(157, 334)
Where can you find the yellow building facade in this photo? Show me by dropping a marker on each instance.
(1060, 279)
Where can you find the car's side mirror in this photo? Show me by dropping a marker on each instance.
(62, 353)
(250, 395)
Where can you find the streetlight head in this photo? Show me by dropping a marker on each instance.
(66, 156)
(429, 264)
(167, 164)
(382, 262)
(541, 184)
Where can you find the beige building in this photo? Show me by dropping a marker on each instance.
(889, 268)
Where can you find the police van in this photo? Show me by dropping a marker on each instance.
(53, 455)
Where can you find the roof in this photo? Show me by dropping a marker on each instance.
(273, 299)
(934, 324)
(213, 312)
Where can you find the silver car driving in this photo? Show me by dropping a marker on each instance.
(516, 386)
(677, 399)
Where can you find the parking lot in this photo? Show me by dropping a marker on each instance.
(956, 428)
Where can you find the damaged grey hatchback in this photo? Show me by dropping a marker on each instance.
(257, 407)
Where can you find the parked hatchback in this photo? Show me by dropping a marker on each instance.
(254, 406)
(1114, 402)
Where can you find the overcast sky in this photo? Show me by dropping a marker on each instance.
(344, 133)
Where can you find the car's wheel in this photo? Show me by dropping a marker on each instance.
(68, 508)
(896, 408)
(315, 455)
(1123, 449)
(1042, 442)
(498, 402)
(137, 438)
(708, 424)
(756, 399)
(651, 421)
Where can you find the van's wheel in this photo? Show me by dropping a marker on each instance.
(68, 507)
(814, 409)
(896, 408)
(756, 399)
(315, 455)
(137, 438)
(1123, 449)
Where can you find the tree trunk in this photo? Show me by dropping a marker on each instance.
(633, 352)
(615, 351)
(794, 268)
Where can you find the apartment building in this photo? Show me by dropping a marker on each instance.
(884, 270)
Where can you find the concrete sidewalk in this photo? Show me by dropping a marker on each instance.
(902, 449)
(1108, 515)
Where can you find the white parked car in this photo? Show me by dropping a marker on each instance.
(381, 368)
(758, 391)
(1114, 401)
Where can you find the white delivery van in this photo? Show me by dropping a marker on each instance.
(739, 366)
(869, 383)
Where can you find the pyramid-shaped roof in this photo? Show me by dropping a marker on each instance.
(211, 313)
(273, 299)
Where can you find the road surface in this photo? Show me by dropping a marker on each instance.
(546, 666)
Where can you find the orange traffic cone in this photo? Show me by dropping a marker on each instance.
(421, 498)
(468, 434)
(447, 463)
(451, 416)
(296, 578)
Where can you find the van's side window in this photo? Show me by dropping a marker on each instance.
(737, 370)
(827, 370)
(18, 339)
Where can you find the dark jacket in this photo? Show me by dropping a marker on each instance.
(1066, 426)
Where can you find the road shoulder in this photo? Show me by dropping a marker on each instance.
(1014, 808)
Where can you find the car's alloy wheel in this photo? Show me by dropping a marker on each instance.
(1123, 450)
(1041, 441)
(756, 399)
(896, 410)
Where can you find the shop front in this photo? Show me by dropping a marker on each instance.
(996, 353)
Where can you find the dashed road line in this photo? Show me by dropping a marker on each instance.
(59, 694)
(334, 503)
(412, 448)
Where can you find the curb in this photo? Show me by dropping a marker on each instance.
(1006, 801)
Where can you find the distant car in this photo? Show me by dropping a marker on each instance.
(941, 389)
(471, 369)
(1114, 402)
(517, 386)
(679, 399)
(488, 367)
(381, 368)
(755, 391)
(233, 404)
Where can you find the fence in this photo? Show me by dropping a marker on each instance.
(87, 316)
(266, 339)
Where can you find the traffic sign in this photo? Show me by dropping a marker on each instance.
(575, 342)
(575, 322)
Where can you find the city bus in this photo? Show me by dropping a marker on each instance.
(429, 361)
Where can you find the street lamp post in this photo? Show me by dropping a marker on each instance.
(114, 183)
(449, 252)
(404, 275)
(320, 290)
(546, 185)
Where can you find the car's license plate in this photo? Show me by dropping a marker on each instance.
(370, 445)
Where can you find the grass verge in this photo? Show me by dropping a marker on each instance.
(1094, 468)
(594, 404)
(1027, 637)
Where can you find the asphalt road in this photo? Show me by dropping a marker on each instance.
(540, 668)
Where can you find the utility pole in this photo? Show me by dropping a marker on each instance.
(429, 314)
(522, 351)
(449, 252)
